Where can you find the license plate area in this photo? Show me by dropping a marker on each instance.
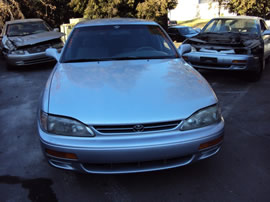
(209, 60)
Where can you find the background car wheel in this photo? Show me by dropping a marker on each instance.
(254, 76)
(10, 67)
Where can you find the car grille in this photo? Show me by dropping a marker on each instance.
(38, 49)
(148, 127)
(38, 60)
(138, 166)
(216, 65)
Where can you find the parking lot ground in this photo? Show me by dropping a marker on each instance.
(239, 172)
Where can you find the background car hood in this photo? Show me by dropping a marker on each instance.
(137, 91)
(35, 38)
(225, 38)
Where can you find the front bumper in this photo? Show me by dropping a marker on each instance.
(28, 59)
(132, 153)
(220, 61)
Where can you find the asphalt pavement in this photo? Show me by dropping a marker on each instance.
(239, 172)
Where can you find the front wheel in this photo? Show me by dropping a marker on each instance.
(256, 75)
(9, 66)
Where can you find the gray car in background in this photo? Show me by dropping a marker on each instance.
(121, 100)
(24, 42)
(180, 33)
(238, 43)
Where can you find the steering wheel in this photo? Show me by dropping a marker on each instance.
(145, 48)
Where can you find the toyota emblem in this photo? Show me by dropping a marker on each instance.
(138, 128)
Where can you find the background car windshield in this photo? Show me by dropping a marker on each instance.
(118, 42)
(187, 30)
(27, 28)
(232, 25)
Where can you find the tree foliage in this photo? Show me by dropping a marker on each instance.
(259, 8)
(108, 8)
(10, 10)
(220, 4)
(78, 6)
(156, 10)
(55, 12)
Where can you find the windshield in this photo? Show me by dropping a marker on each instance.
(231, 25)
(118, 42)
(187, 30)
(27, 28)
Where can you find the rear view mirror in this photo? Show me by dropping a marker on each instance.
(56, 29)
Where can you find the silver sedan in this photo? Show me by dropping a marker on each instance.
(121, 100)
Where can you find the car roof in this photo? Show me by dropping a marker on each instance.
(23, 20)
(115, 21)
(239, 17)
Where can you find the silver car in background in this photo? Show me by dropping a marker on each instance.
(121, 100)
(24, 42)
(238, 43)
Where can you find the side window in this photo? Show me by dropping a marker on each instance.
(263, 26)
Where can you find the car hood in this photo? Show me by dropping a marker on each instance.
(32, 39)
(131, 91)
(226, 39)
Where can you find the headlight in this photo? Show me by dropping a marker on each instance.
(201, 118)
(18, 52)
(9, 45)
(63, 126)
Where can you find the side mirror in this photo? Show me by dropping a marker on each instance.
(184, 48)
(53, 53)
(56, 29)
(266, 32)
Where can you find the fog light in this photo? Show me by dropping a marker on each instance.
(211, 143)
(239, 61)
(61, 154)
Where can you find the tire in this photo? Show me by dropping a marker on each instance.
(256, 75)
(9, 67)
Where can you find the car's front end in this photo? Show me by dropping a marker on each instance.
(24, 42)
(233, 43)
(109, 149)
(32, 54)
(219, 52)
(91, 123)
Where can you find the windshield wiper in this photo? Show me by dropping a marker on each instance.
(118, 58)
(218, 33)
(82, 60)
(142, 58)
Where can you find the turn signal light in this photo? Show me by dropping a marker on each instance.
(211, 143)
(61, 154)
(239, 61)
